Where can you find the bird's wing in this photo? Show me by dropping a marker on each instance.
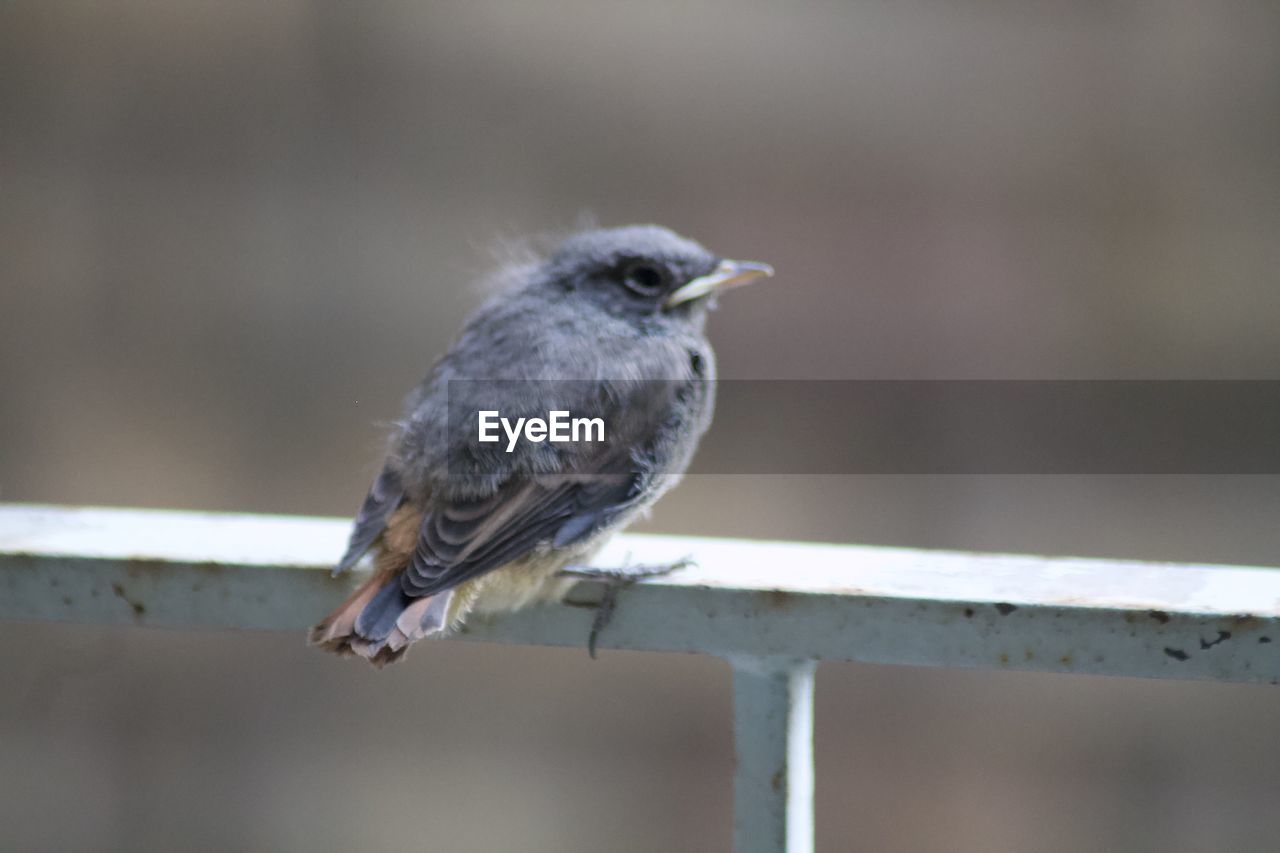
(653, 424)
(385, 496)
(468, 538)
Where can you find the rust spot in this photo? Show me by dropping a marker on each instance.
(778, 599)
(1129, 617)
(1066, 660)
(1004, 660)
(1245, 621)
(1176, 654)
(775, 781)
(1005, 608)
(138, 566)
(138, 607)
(1159, 615)
(1028, 655)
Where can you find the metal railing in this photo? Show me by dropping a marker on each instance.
(771, 609)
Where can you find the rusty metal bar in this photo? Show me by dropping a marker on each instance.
(757, 599)
(771, 608)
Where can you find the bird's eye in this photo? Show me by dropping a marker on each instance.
(644, 279)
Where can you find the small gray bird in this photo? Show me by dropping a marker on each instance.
(608, 326)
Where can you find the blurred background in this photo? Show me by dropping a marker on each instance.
(234, 234)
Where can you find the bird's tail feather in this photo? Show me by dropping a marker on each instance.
(378, 622)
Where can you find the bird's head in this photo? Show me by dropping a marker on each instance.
(646, 270)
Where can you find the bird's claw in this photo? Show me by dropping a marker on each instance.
(626, 574)
(614, 580)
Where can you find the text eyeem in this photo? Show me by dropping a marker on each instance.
(558, 427)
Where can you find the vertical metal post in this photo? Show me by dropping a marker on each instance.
(773, 738)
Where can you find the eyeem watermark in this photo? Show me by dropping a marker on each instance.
(890, 427)
(558, 427)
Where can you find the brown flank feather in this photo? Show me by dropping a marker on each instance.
(392, 551)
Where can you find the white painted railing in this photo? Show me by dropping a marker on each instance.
(772, 609)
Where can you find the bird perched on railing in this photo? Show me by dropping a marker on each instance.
(608, 327)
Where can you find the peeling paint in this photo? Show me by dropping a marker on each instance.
(1222, 637)
(139, 609)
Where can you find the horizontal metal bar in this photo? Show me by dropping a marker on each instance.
(743, 598)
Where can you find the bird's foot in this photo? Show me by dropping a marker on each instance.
(615, 579)
(625, 574)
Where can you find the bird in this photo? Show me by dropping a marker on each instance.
(609, 325)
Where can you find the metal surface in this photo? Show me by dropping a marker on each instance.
(763, 599)
(773, 743)
(771, 608)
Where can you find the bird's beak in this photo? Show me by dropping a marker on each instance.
(728, 274)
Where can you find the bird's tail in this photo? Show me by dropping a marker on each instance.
(379, 622)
